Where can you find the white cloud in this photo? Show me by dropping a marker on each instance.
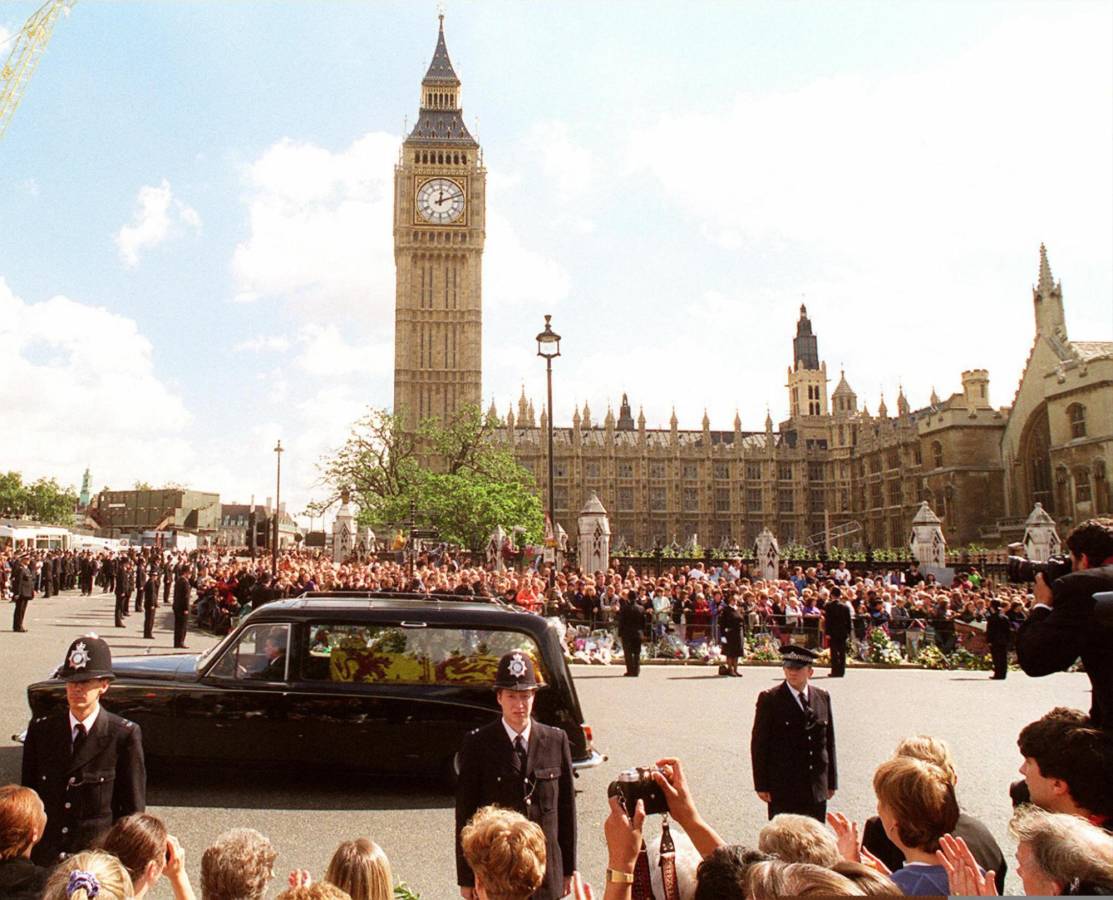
(156, 218)
(327, 354)
(567, 166)
(80, 381)
(264, 343)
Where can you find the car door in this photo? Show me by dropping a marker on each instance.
(239, 710)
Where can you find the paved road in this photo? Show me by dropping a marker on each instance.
(686, 712)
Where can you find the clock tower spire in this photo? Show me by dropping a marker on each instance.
(439, 231)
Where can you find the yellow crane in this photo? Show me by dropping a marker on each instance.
(27, 49)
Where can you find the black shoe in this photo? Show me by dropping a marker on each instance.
(20, 630)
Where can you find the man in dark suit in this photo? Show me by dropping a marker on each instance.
(182, 590)
(998, 631)
(522, 765)
(1066, 624)
(23, 592)
(837, 622)
(85, 764)
(793, 742)
(631, 623)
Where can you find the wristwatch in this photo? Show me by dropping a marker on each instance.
(614, 876)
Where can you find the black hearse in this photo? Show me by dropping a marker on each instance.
(384, 683)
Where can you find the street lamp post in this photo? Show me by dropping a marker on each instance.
(277, 506)
(548, 347)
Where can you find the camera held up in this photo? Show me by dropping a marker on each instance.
(637, 784)
(1021, 570)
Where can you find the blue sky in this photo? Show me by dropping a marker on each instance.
(195, 212)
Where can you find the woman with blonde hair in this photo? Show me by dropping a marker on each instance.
(84, 876)
(361, 868)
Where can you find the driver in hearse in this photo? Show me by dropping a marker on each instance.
(275, 650)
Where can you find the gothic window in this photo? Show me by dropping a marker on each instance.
(658, 499)
(895, 498)
(626, 499)
(657, 470)
(917, 456)
(1076, 414)
(875, 464)
(784, 501)
(937, 454)
(815, 501)
(560, 498)
(753, 471)
(691, 500)
(876, 499)
(842, 436)
(815, 471)
(690, 471)
(892, 458)
(560, 469)
(784, 471)
(722, 499)
(753, 500)
(722, 471)
(844, 500)
(625, 470)
(1082, 491)
(592, 470)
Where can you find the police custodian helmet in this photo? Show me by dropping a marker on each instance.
(87, 658)
(515, 673)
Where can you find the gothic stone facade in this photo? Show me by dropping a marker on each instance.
(830, 465)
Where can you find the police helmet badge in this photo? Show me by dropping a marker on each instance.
(88, 657)
(516, 672)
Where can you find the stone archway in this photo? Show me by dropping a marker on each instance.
(1035, 458)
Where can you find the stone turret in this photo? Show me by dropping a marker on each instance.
(586, 420)
(934, 397)
(523, 408)
(975, 389)
(530, 416)
(492, 413)
(544, 419)
(625, 419)
(845, 400)
(641, 419)
(706, 421)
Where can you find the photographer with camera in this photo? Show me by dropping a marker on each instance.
(1066, 622)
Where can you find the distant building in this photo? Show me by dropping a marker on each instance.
(122, 513)
(235, 518)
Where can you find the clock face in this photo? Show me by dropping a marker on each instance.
(440, 201)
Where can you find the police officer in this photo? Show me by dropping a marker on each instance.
(150, 604)
(86, 764)
(123, 591)
(23, 591)
(522, 765)
(793, 742)
(182, 589)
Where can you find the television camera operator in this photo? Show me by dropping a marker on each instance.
(1067, 622)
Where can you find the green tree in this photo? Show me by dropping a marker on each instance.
(453, 476)
(43, 500)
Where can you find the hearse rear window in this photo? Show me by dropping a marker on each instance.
(394, 654)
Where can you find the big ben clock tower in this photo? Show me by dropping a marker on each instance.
(439, 229)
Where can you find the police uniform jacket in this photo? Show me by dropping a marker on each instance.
(83, 794)
(793, 753)
(545, 795)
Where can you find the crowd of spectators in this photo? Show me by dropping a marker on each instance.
(921, 843)
(686, 605)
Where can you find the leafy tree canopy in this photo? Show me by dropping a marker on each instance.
(43, 500)
(453, 477)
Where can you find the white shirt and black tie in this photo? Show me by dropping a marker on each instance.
(80, 729)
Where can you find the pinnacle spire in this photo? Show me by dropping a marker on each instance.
(1046, 282)
(440, 69)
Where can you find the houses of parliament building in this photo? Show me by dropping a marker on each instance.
(831, 466)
